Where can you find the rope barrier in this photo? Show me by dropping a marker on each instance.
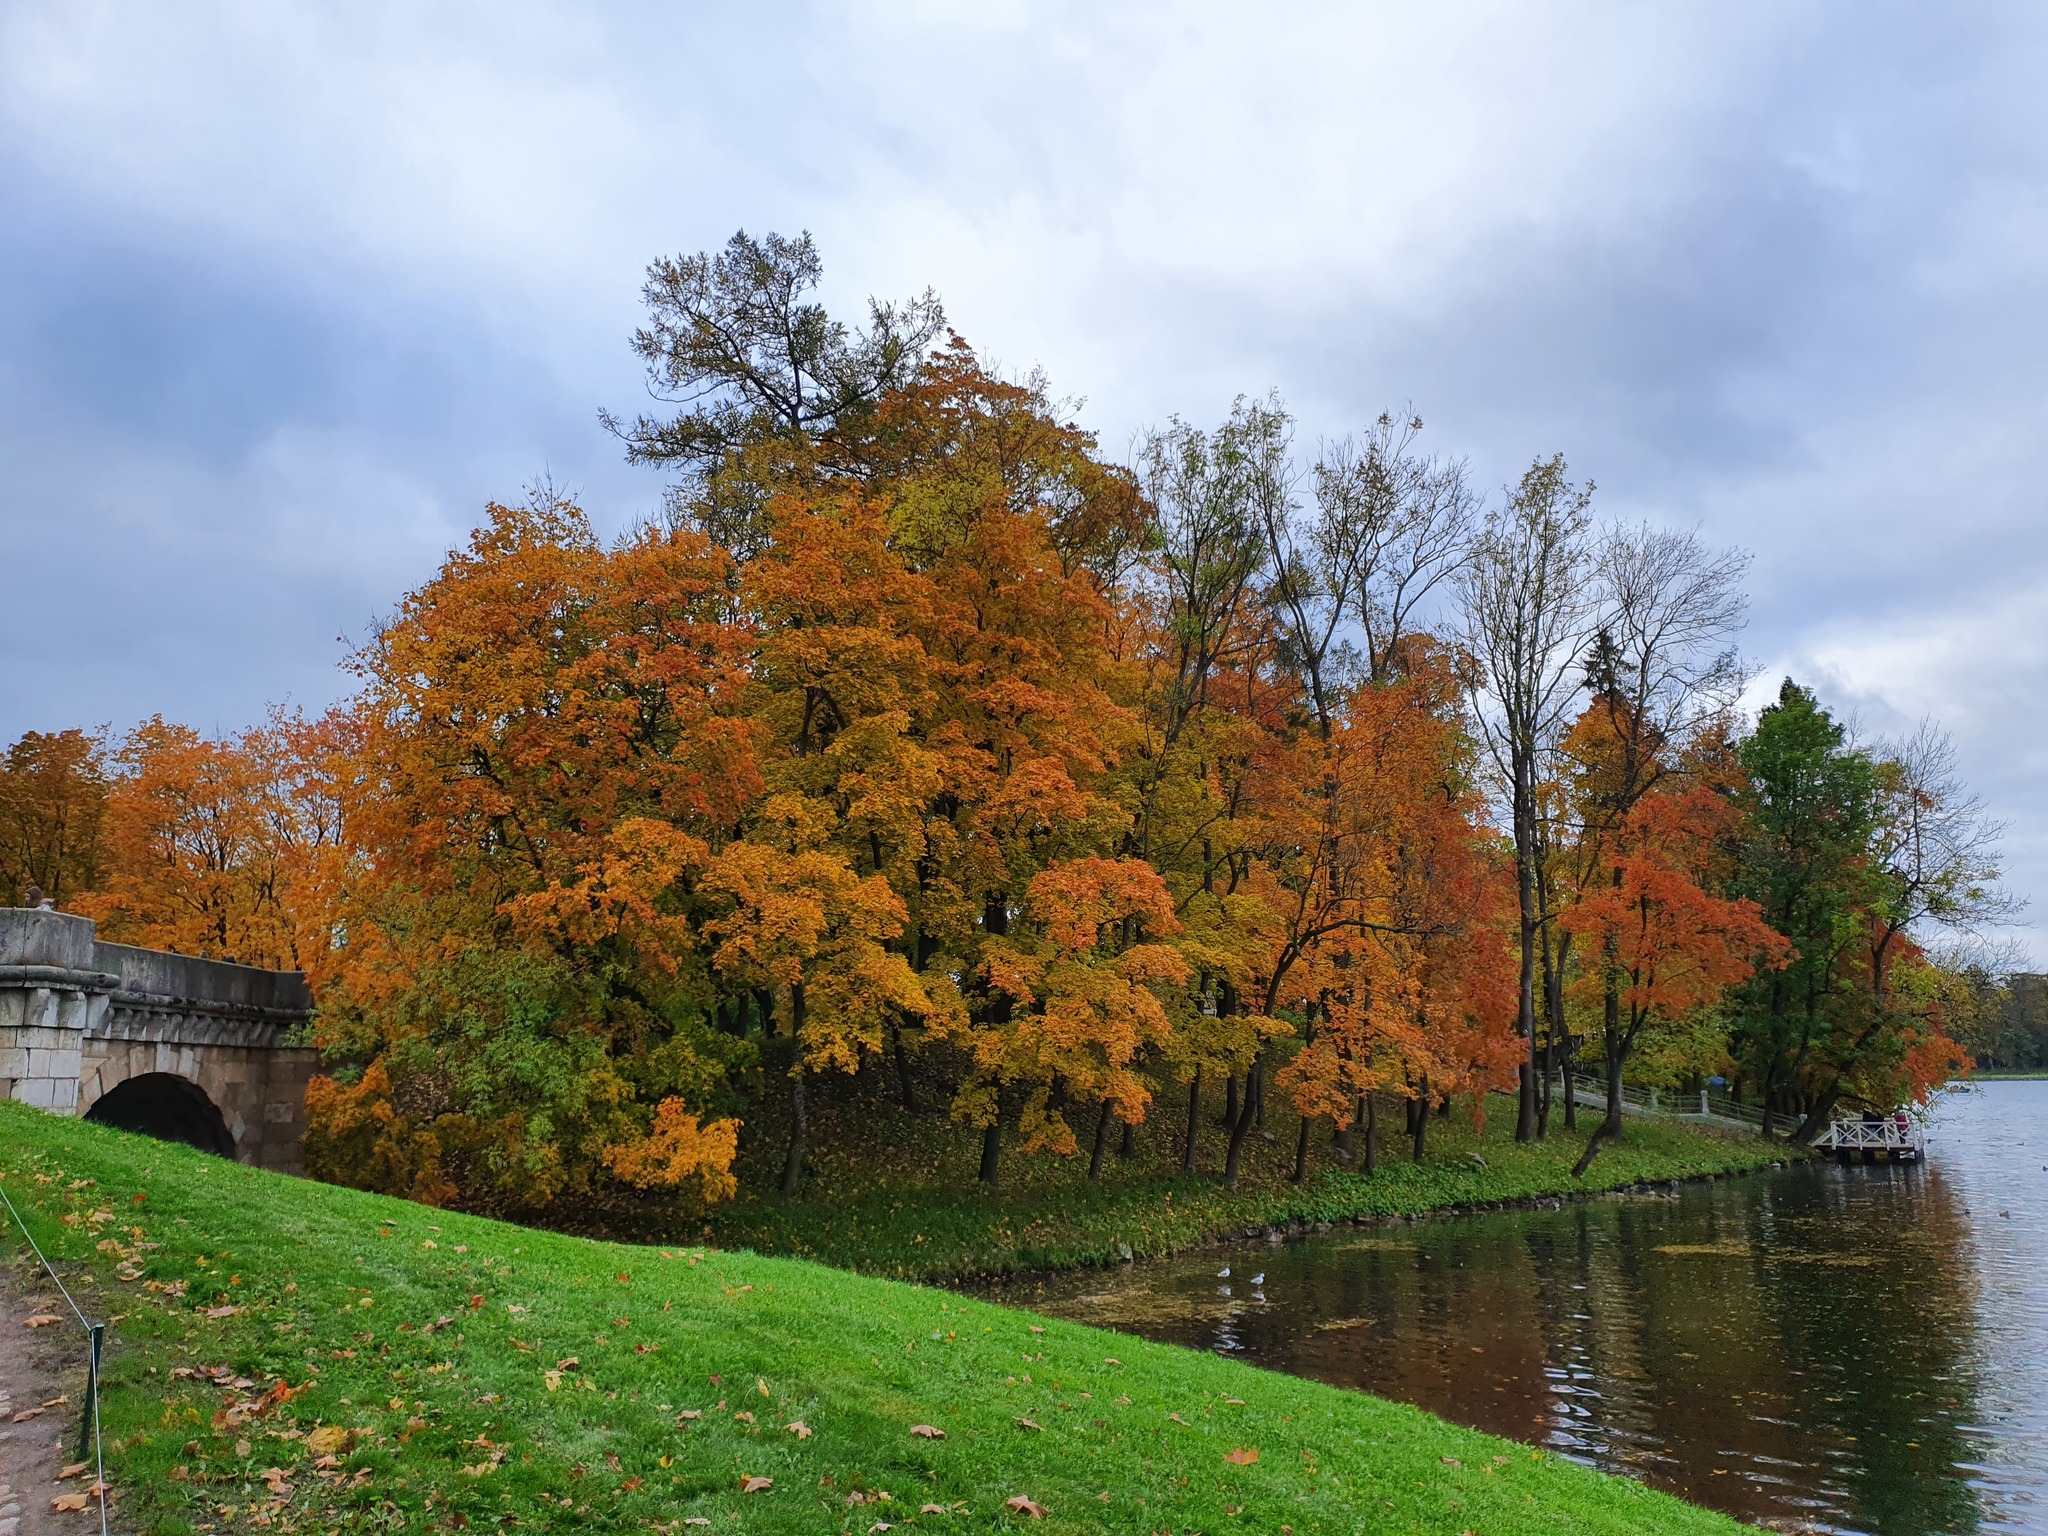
(89, 1424)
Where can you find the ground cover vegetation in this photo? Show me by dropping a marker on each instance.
(923, 743)
(290, 1357)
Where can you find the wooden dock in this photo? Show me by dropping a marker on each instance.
(1894, 1139)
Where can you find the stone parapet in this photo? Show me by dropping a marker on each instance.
(79, 1018)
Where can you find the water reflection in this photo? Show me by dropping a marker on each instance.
(1832, 1349)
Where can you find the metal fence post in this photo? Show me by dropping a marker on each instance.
(92, 1393)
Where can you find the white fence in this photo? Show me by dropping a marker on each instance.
(1893, 1134)
(1592, 1094)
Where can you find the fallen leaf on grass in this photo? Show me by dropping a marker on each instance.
(932, 1509)
(68, 1503)
(220, 1312)
(327, 1439)
(761, 1386)
(1235, 1402)
(1112, 1361)
(1243, 1456)
(800, 1429)
(691, 1413)
(1028, 1424)
(1035, 1328)
(1175, 1418)
(1024, 1506)
(1450, 1461)
(72, 1471)
(41, 1320)
(927, 1431)
(757, 1485)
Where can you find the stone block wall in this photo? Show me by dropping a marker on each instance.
(78, 1018)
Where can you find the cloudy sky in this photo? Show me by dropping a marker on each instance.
(291, 291)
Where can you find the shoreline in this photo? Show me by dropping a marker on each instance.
(961, 1238)
(1281, 1235)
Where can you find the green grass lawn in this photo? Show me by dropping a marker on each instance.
(290, 1356)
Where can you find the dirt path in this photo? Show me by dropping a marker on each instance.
(41, 1377)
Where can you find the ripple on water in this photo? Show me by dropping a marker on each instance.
(1883, 1350)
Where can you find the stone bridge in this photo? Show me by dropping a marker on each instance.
(181, 1049)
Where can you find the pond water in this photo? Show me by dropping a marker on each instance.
(1822, 1348)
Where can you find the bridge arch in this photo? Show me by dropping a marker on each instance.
(168, 1107)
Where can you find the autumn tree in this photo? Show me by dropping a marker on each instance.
(550, 759)
(1666, 947)
(1527, 600)
(225, 848)
(53, 791)
(1663, 677)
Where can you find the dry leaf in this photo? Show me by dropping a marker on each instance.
(691, 1413)
(757, 1485)
(218, 1312)
(1177, 1419)
(927, 1432)
(327, 1439)
(68, 1503)
(73, 1470)
(1112, 1361)
(26, 1414)
(1450, 1461)
(1024, 1506)
(800, 1429)
(41, 1320)
(931, 1509)
(1243, 1456)
(761, 1386)
(1035, 1328)
(1027, 1424)
(1235, 1402)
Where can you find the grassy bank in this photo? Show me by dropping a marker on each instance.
(1047, 1216)
(291, 1356)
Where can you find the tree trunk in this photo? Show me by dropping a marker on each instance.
(1255, 1090)
(1230, 1101)
(1570, 1085)
(1101, 1141)
(991, 1150)
(1240, 1128)
(1127, 1144)
(903, 1071)
(1525, 1005)
(793, 1165)
(1372, 1132)
(1769, 1099)
(1592, 1146)
(1301, 1151)
(1818, 1117)
(1187, 1155)
(1422, 1118)
(1610, 1029)
(1549, 1056)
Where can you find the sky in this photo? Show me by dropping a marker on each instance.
(288, 293)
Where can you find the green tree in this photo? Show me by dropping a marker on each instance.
(1811, 809)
